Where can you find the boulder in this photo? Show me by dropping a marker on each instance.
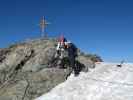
(25, 72)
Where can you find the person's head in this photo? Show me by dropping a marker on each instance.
(62, 38)
(68, 44)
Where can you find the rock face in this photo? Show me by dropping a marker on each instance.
(24, 69)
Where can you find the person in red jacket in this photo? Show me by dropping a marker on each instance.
(61, 43)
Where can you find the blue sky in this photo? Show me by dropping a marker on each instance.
(104, 27)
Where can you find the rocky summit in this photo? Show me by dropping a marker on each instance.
(27, 69)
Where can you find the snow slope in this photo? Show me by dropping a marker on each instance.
(105, 82)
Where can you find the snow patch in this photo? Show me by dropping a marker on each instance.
(105, 82)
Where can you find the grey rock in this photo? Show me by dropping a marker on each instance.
(25, 72)
(87, 62)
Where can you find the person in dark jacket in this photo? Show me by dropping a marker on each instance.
(72, 54)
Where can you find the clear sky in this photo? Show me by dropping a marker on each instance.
(104, 27)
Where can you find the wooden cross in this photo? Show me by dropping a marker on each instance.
(43, 24)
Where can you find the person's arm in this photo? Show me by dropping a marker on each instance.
(58, 46)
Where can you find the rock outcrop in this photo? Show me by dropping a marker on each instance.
(26, 69)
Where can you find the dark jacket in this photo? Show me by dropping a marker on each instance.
(72, 50)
